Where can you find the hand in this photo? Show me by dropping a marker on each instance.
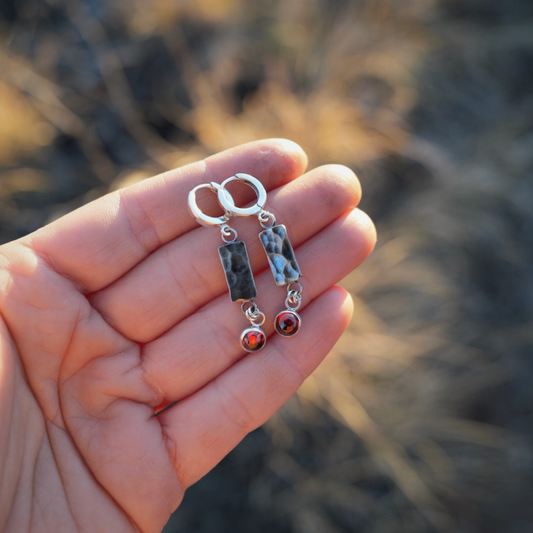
(122, 306)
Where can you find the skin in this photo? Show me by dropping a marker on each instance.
(121, 307)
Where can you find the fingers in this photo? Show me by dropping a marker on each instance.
(238, 401)
(206, 344)
(99, 242)
(184, 275)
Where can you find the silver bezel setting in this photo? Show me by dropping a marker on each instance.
(249, 330)
(296, 315)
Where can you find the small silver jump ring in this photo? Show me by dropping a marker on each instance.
(227, 233)
(198, 214)
(266, 219)
(227, 202)
(252, 316)
(293, 297)
(260, 316)
(253, 306)
(299, 290)
(252, 313)
(293, 305)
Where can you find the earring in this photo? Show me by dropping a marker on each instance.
(236, 264)
(278, 250)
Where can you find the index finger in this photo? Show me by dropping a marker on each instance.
(98, 243)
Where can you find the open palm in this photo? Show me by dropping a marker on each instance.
(122, 306)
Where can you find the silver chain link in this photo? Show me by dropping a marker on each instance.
(252, 313)
(293, 301)
(226, 232)
(266, 219)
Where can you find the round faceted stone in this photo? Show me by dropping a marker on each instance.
(253, 339)
(287, 323)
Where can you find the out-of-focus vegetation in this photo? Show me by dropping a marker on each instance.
(422, 419)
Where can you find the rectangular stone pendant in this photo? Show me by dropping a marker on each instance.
(239, 275)
(280, 255)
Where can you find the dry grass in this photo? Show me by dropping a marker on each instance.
(420, 420)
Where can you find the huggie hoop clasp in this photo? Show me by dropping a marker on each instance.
(198, 214)
(227, 202)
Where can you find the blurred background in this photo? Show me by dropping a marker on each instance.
(422, 418)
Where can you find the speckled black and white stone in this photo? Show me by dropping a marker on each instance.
(239, 276)
(280, 255)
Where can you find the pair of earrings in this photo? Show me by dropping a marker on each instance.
(236, 264)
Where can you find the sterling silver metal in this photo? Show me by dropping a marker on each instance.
(198, 214)
(252, 313)
(280, 254)
(275, 241)
(266, 219)
(227, 232)
(239, 275)
(257, 319)
(227, 202)
(233, 254)
(293, 301)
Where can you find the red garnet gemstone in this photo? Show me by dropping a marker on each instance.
(287, 323)
(253, 340)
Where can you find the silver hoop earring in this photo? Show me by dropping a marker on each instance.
(236, 264)
(278, 249)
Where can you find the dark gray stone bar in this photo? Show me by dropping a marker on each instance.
(239, 276)
(280, 255)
